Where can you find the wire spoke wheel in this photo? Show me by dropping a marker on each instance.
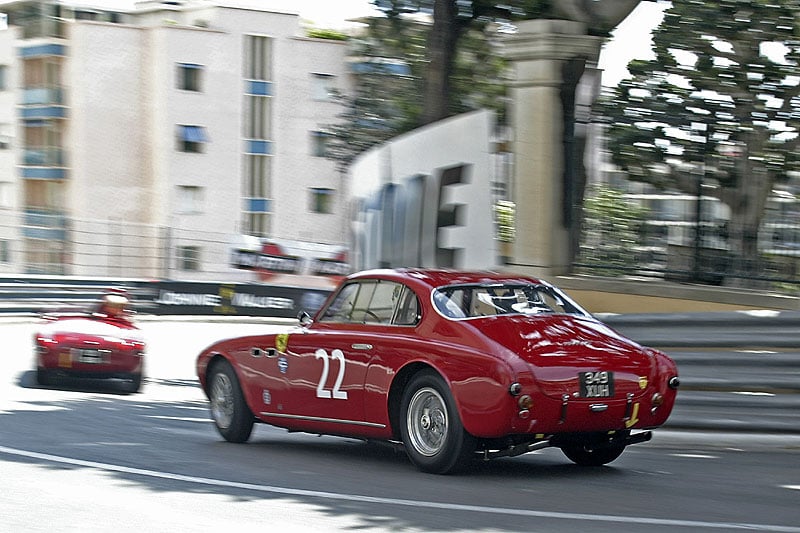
(221, 397)
(232, 417)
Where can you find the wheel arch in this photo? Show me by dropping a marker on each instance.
(213, 360)
(396, 389)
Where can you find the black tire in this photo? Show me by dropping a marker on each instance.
(230, 412)
(133, 384)
(45, 377)
(432, 432)
(594, 451)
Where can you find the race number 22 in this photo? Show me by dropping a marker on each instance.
(334, 393)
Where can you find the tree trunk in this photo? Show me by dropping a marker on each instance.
(441, 52)
(747, 203)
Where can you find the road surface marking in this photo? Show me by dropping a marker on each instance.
(414, 504)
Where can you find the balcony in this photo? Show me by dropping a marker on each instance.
(45, 224)
(44, 27)
(42, 96)
(43, 157)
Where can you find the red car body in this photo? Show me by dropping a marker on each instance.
(90, 346)
(450, 364)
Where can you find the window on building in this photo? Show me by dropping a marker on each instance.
(191, 138)
(190, 77)
(258, 57)
(323, 87)
(190, 199)
(319, 143)
(5, 251)
(321, 200)
(5, 195)
(189, 258)
(259, 115)
(257, 224)
(258, 171)
(85, 14)
(3, 77)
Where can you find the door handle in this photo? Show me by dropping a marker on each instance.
(361, 346)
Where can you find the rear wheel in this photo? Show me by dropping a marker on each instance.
(230, 413)
(133, 384)
(434, 438)
(595, 451)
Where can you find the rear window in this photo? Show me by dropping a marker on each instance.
(470, 301)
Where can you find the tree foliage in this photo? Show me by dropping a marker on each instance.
(451, 24)
(390, 60)
(719, 102)
(613, 229)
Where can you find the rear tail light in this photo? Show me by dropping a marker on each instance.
(525, 402)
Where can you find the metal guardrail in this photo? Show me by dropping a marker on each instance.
(32, 295)
(739, 371)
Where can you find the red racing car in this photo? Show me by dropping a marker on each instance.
(103, 344)
(453, 365)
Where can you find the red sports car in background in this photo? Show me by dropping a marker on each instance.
(103, 344)
(453, 365)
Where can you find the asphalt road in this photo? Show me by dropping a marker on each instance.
(93, 459)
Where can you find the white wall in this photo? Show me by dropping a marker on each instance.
(463, 141)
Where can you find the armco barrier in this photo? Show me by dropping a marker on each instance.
(739, 371)
(34, 295)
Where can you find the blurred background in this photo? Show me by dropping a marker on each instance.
(216, 140)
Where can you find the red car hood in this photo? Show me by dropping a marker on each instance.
(562, 346)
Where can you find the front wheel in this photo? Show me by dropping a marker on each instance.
(434, 438)
(230, 413)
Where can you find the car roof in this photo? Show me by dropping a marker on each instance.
(433, 277)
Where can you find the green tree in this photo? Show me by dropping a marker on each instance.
(390, 60)
(719, 106)
(452, 22)
(613, 229)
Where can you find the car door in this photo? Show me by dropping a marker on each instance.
(329, 362)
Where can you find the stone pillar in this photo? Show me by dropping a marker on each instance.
(540, 50)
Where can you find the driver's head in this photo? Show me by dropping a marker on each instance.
(115, 304)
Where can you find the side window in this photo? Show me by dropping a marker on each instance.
(341, 308)
(451, 303)
(382, 302)
(407, 312)
(361, 311)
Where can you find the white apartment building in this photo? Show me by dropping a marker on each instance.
(143, 142)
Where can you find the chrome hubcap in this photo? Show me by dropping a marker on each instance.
(427, 422)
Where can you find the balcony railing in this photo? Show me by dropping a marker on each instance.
(43, 27)
(43, 157)
(45, 224)
(42, 96)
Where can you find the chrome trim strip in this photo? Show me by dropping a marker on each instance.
(321, 419)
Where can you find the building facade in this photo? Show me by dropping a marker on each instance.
(144, 142)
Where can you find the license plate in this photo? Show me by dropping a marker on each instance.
(85, 355)
(596, 384)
